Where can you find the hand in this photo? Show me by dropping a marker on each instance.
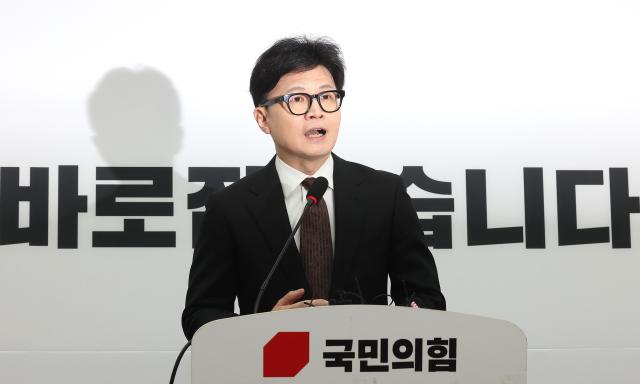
(292, 300)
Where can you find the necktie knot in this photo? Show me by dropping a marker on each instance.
(308, 182)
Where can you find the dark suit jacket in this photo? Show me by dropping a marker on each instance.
(377, 234)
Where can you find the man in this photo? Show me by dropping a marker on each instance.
(363, 230)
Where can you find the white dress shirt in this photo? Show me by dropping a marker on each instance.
(295, 194)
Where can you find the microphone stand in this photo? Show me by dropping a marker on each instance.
(266, 281)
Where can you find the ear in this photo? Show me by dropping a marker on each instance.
(260, 114)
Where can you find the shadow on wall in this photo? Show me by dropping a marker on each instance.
(135, 115)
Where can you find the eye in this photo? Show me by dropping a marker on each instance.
(328, 96)
(297, 99)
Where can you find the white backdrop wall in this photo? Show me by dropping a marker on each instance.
(498, 86)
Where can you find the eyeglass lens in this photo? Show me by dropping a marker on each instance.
(300, 103)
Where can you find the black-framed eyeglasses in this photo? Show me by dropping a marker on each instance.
(300, 103)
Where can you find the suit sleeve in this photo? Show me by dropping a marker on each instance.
(213, 276)
(413, 272)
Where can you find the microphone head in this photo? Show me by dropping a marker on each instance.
(317, 190)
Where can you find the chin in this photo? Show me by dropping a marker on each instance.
(316, 155)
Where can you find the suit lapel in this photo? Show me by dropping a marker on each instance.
(349, 213)
(270, 213)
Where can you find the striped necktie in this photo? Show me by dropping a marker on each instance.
(316, 249)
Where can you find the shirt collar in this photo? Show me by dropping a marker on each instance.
(290, 178)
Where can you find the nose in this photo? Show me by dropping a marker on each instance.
(314, 110)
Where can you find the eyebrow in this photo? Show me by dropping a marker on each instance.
(301, 88)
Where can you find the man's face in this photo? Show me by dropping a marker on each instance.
(302, 139)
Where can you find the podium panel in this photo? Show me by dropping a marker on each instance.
(359, 344)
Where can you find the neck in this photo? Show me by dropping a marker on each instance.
(307, 166)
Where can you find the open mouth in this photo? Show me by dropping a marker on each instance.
(316, 132)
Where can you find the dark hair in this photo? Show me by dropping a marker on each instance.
(294, 54)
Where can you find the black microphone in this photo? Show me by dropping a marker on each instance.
(317, 190)
(314, 195)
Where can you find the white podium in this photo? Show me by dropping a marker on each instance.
(359, 344)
